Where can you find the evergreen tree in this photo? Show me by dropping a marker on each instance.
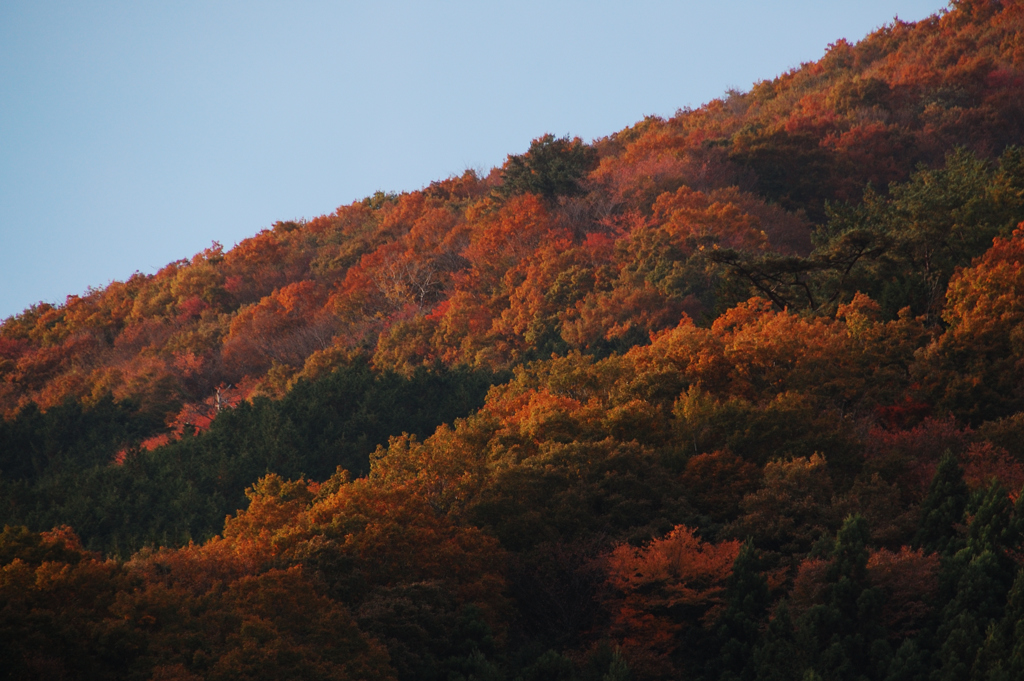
(995, 526)
(943, 508)
(553, 166)
(983, 571)
(1001, 657)
(618, 670)
(747, 601)
(778, 656)
(844, 633)
(909, 663)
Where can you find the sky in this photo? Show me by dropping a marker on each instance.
(133, 134)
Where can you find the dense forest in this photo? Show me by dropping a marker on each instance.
(736, 395)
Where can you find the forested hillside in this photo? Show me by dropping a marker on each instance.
(734, 395)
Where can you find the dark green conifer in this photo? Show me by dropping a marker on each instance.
(943, 508)
(618, 670)
(553, 166)
(983, 572)
(995, 525)
(747, 600)
(909, 663)
(1001, 657)
(778, 656)
(844, 634)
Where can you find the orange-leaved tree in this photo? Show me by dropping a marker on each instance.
(658, 589)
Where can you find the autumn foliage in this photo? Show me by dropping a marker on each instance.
(737, 395)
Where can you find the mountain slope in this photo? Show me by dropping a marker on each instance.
(754, 409)
(605, 246)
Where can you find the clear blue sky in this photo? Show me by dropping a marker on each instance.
(135, 133)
